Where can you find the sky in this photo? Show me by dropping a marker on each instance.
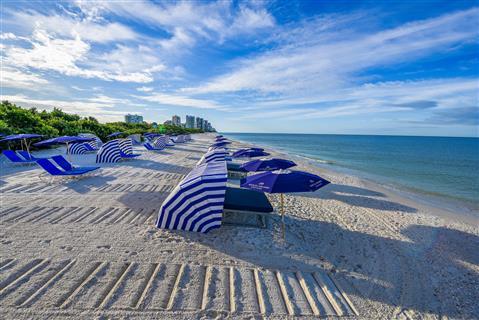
(340, 67)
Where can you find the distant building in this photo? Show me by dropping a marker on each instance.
(168, 122)
(199, 123)
(133, 118)
(176, 120)
(190, 122)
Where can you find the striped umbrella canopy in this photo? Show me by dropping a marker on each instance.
(196, 204)
(213, 155)
(267, 164)
(284, 181)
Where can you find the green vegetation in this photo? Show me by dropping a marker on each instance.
(15, 119)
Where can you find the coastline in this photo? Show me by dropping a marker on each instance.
(451, 209)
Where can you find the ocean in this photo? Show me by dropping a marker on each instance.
(447, 167)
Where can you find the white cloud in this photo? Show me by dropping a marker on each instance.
(8, 36)
(187, 21)
(102, 109)
(72, 57)
(12, 78)
(178, 100)
(396, 96)
(334, 64)
(145, 89)
(69, 26)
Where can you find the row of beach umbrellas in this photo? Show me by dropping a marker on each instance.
(276, 176)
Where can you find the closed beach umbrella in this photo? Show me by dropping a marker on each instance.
(267, 164)
(284, 181)
(63, 140)
(23, 137)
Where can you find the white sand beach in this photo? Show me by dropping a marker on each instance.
(89, 249)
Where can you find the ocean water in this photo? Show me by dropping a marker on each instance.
(443, 166)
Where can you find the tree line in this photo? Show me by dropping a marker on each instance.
(15, 119)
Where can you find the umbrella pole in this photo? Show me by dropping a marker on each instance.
(282, 216)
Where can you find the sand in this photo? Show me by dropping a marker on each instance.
(88, 248)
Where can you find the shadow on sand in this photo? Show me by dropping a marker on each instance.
(336, 247)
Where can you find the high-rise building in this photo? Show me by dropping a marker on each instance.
(176, 120)
(199, 123)
(190, 122)
(205, 125)
(133, 118)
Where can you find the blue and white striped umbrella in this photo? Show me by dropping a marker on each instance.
(109, 152)
(196, 204)
(213, 155)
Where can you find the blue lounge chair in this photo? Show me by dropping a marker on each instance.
(67, 166)
(49, 167)
(26, 155)
(13, 157)
(128, 156)
(150, 147)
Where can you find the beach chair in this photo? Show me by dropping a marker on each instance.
(26, 155)
(241, 203)
(15, 158)
(150, 147)
(67, 166)
(53, 170)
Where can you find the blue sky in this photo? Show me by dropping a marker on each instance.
(353, 67)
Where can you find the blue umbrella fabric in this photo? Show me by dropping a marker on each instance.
(267, 164)
(23, 137)
(219, 136)
(61, 140)
(284, 182)
(220, 144)
(114, 134)
(240, 151)
(250, 154)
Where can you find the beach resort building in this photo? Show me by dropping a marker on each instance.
(133, 118)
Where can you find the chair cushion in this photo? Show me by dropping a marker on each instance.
(246, 200)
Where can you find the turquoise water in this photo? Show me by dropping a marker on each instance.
(443, 166)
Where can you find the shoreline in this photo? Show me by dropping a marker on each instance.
(451, 209)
